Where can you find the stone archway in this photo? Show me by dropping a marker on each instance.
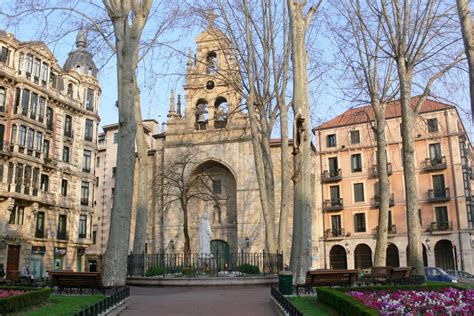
(425, 256)
(221, 205)
(444, 255)
(362, 257)
(337, 257)
(392, 258)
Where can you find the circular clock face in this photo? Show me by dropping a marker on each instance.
(210, 85)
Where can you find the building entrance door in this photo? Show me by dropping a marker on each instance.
(13, 261)
(36, 266)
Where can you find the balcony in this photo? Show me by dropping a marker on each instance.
(333, 205)
(331, 176)
(439, 195)
(39, 233)
(374, 172)
(334, 233)
(62, 236)
(392, 230)
(49, 164)
(375, 202)
(434, 164)
(445, 226)
(5, 151)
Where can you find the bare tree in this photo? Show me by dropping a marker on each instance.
(465, 18)
(418, 38)
(301, 248)
(360, 39)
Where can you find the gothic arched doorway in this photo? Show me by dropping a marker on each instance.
(392, 258)
(362, 257)
(337, 257)
(220, 252)
(425, 256)
(444, 255)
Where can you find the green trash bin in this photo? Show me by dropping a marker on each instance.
(285, 282)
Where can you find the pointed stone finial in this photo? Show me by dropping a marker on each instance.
(190, 62)
(81, 39)
(211, 18)
(179, 105)
(172, 112)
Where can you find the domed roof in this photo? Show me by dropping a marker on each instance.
(81, 60)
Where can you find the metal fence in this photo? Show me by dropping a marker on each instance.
(284, 302)
(107, 303)
(195, 264)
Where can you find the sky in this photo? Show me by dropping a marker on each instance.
(326, 95)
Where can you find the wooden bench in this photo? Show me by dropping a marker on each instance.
(325, 277)
(400, 275)
(65, 280)
(377, 275)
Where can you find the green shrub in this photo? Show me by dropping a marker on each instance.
(248, 268)
(188, 271)
(17, 303)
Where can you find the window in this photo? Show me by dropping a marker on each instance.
(333, 167)
(442, 216)
(85, 193)
(42, 104)
(88, 131)
(114, 171)
(64, 187)
(356, 163)
(16, 215)
(390, 223)
(29, 65)
(19, 177)
(5, 56)
(435, 152)
(39, 233)
(335, 194)
(38, 141)
(44, 183)
(25, 100)
(359, 220)
(33, 105)
(13, 135)
(216, 186)
(70, 90)
(86, 161)
(90, 100)
(439, 186)
(49, 118)
(3, 97)
(82, 226)
(432, 125)
(97, 164)
(336, 225)
(115, 138)
(44, 74)
(36, 70)
(66, 153)
(68, 126)
(331, 140)
(30, 138)
(46, 149)
(94, 237)
(358, 192)
(355, 137)
(35, 181)
(62, 223)
(27, 179)
(17, 100)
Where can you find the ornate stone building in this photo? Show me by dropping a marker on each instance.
(48, 132)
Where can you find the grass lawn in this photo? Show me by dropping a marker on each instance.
(63, 305)
(309, 306)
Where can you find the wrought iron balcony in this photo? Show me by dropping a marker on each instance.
(39, 233)
(441, 226)
(439, 195)
(334, 233)
(333, 204)
(331, 175)
(62, 236)
(435, 163)
(392, 230)
(375, 202)
(374, 171)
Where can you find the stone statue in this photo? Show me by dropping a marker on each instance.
(205, 235)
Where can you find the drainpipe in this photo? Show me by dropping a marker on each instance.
(455, 190)
(322, 197)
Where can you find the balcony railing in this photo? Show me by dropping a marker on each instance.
(39, 233)
(441, 226)
(439, 195)
(334, 233)
(62, 236)
(374, 171)
(435, 163)
(375, 202)
(392, 230)
(333, 204)
(331, 175)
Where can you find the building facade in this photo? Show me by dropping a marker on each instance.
(48, 136)
(346, 149)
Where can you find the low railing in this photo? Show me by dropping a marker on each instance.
(375, 171)
(392, 230)
(290, 309)
(333, 204)
(331, 175)
(375, 202)
(334, 233)
(194, 264)
(437, 195)
(435, 163)
(107, 303)
(441, 226)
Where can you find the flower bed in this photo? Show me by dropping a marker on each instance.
(7, 293)
(447, 301)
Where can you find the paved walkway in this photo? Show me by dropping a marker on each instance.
(209, 301)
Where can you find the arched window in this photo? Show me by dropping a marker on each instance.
(201, 115)
(221, 113)
(211, 60)
(3, 93)
(70, 90)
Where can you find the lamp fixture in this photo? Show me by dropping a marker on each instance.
(428, 244)
(247, 242)
(172, 245)
(347, 247)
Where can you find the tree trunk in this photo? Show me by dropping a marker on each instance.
(301, 250)
(285, 182)
(187, 243)
(383, 186)
(465, 18)
(142, 181)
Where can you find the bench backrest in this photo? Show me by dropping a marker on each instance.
(400, 273)
(333, 277)
(380, 271)
(75, 278)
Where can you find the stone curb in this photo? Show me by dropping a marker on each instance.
(278, 308)
(117, 309)
(144, 281)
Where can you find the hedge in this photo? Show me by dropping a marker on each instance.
(348, 305)
(16, 303)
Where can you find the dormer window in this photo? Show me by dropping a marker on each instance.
(70, 90)
(211, 60)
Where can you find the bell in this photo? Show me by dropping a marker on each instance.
(201, 119)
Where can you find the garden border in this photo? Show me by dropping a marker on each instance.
(31, 297)
(282, 304)
(108, 304)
